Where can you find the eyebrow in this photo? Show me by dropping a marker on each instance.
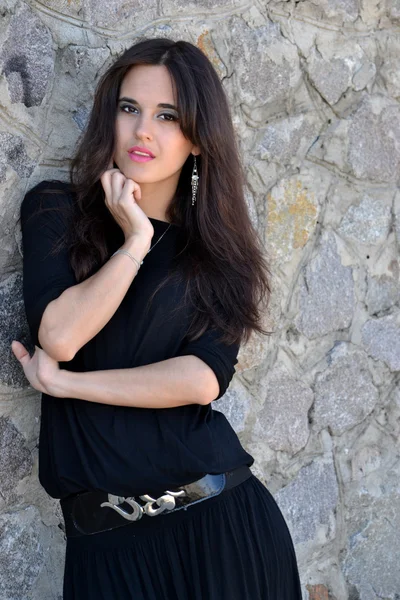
(161, 105)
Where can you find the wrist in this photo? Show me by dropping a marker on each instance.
(59, 384)
(137, 246)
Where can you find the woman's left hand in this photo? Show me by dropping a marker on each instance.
(40, 370)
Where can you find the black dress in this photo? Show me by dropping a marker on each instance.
(235, 545)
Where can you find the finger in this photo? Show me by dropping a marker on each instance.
(106, 183)
(105, 177)
(137, 192)
(20, 352)
(131, 187)
(117, 183)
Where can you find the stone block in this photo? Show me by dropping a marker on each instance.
(14, 327)
(309, 502)
(283, 422)
(318, 592)
(120, 15)
(264, 64)
(27, 58)
(370, 562)
(368, 222)
(381, 339)
(327, 299)
(383, 292)
(13, 154)
(15, 459)
(21, 552)
(344, 392)
(292, 209)
(374, 129)
(235, 405)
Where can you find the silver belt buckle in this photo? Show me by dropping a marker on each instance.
(197, 491)
(163, 503)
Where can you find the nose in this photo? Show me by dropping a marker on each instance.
(143, 129)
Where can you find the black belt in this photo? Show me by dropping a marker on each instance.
(87, 513)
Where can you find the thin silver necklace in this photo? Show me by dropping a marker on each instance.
(159, 238)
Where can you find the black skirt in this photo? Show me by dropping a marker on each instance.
(235, 546)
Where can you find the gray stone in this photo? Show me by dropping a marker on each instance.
(27, 58)
(393, 414)
(314, 90)
(370, 562)
(389, 70)
(344, 392)
(14, 327)
(331, 78)
(327, 298)
(397, 217)
(374, 152)
(364, 76)
(65, 7)
(364, 143)
(383, 293)
(21, 553)
(120, 15)
(331, 65)
(265, 66)
(330, 12)
(183, 5)
(235, 405)
(13, 154)
(365, 461)
(287, 140)
(283, 421)
(368, 223)
(78, 64)
(22, 407)
(381, 339)
(309, 501)
(81, 116)
(73, 97)
(15, 459)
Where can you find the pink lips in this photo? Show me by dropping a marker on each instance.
(139, 158)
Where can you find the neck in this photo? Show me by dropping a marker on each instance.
(156, 198)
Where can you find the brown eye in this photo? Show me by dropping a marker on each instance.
(170, 117)
(130, 108)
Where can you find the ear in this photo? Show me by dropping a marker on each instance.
(195, 151)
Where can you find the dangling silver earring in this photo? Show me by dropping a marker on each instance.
(195, 181)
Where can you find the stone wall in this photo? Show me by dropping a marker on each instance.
(315, 91)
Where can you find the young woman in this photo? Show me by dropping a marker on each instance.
(142, 276)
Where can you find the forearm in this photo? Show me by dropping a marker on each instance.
(82, 310)
(173, 382)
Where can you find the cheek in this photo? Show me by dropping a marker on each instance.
(121, 130)
(180, 145)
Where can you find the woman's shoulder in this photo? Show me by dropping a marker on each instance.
(47, 194)
(51, 186)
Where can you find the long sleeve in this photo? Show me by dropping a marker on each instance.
(45, 274)
(221, 358)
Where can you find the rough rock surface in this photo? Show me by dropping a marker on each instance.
(314, 89)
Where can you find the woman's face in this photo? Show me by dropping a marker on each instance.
(148, 119)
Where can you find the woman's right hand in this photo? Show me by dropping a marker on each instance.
(121, 194)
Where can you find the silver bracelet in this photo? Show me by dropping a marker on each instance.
(128, 254)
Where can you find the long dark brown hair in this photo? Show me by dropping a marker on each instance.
(222, 264)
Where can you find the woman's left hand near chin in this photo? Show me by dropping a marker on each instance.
(40, 370)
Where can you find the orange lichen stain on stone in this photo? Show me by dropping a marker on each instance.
(205, 44)
(318, 592)
(291, 217)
